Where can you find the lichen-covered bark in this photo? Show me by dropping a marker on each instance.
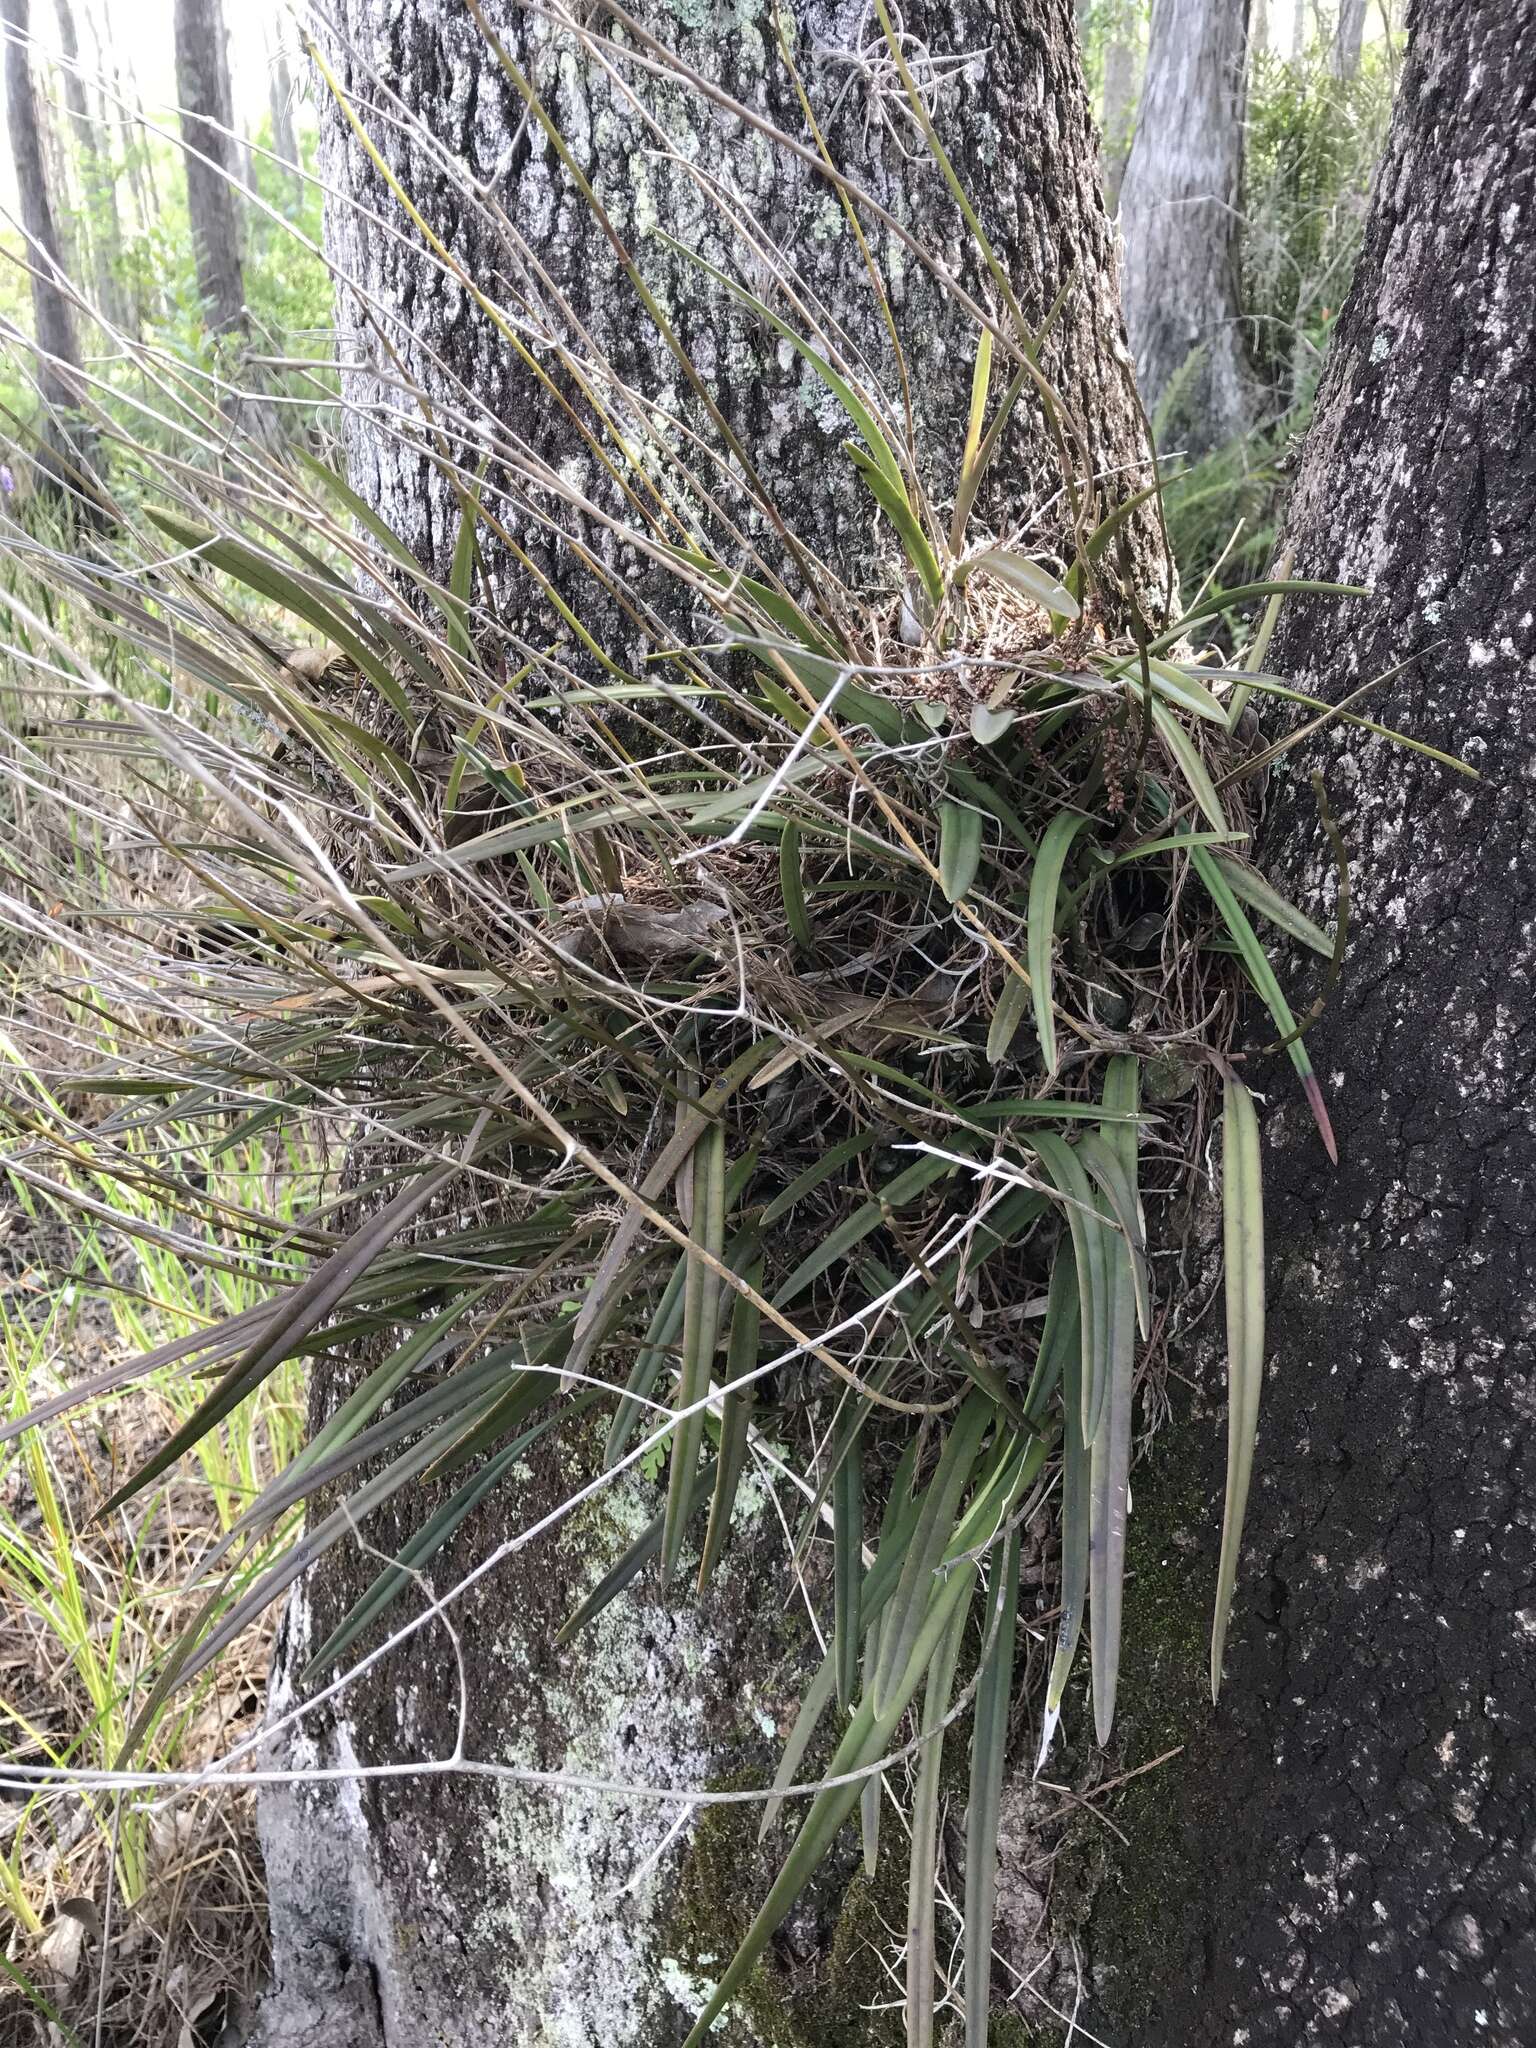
(466, 1910)
(1344, 1850)
(1180, 216)
(1015, 118)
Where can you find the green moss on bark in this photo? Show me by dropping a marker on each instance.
(792, 2001)
(1112, 1897)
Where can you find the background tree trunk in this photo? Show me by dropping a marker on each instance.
(285, 141)
(207, 119)
(53, 320)
(1122, 51)
(1179, 215)
(98, 179)
(461, 1910)
(1348, 36)
(1344, 1852)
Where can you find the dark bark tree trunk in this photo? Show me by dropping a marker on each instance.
(1180, 215)
(53, 318)
(461, 1910)
(207, 119)
(1344, 1849)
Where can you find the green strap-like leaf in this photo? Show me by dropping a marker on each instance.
(430, 1538)
(1091, 1252)
(890, 494)
(869, 1797)
(922, 1865)
(1184, 688)
(847, 1570)
(1007, 1017)
(1186, 757)
(1245, 593)
(626, 1569)
(935, 1526)
(299, 1312)
(1044, 888)
(735, 1421)
(960, 834)
(792, 886)
(1059, 1337)
(1260, 895)
(868, 1737)
(896, 1527)
(1029, 579)
(701, 1331)
(1076, 1528)
(1110, 1460)
(898, 1191)
(660, 1337)
(989, 1748)
(1242, 1196)
(832, 1161)
(1106, 1167)
(1266, 982)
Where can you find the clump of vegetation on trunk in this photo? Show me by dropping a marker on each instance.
(740, 1022)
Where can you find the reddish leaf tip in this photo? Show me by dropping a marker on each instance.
(1319, 1109)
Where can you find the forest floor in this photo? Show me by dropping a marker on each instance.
(126, 1917)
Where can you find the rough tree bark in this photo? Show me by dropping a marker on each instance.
(1179, 215)
(1344, 1851)
(53, 320)
(207, 122)
(459, 1910)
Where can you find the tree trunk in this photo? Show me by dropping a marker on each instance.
(1348, 35)
(60, 383)
(1121, 51)
(1179, 214)
(98, 178)
(463, 1910)
(1343, 1850)
(207, 122)
(285, 142)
